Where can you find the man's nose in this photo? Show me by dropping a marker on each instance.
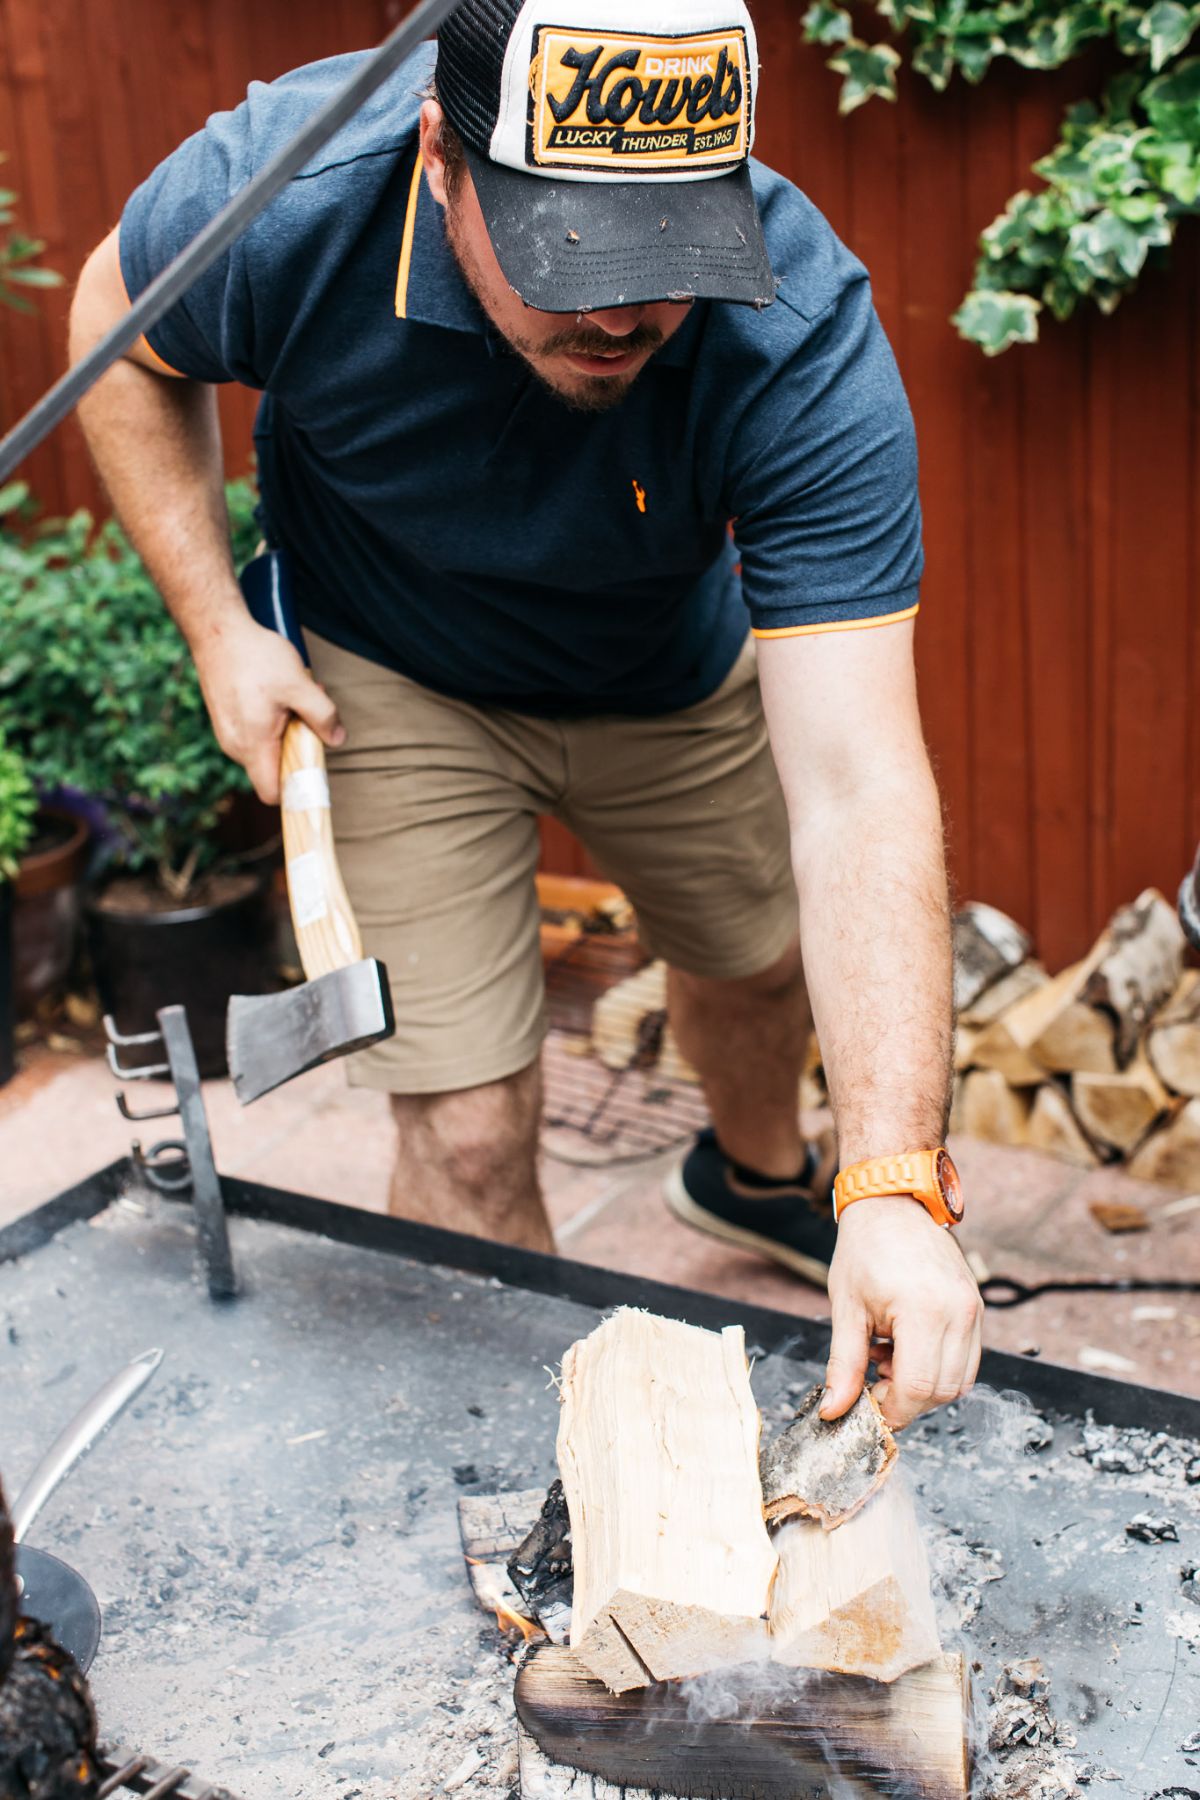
(617, 321)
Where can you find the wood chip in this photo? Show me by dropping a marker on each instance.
(1118, 1216)
(827, 1469)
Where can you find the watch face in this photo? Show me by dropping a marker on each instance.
(949, 1186)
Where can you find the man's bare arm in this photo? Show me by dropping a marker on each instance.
(156, 441)
(874, 923)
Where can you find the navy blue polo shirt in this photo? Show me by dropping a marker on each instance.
(447, 516)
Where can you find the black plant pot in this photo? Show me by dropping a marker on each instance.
(195, 956)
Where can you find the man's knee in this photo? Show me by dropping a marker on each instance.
(782, 979)
(478, 1138)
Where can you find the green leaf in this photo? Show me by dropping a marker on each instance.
(976, 58)
(15, 494)
(827, 23)
(1172, 102)
(994, 321)
(935, 60)
(43, 278)
(1167, 28)
(868, 69)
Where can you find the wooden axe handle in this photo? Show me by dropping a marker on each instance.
(325, 926)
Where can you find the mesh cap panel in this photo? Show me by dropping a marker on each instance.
(470, 62)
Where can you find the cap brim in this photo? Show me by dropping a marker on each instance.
(578, 246)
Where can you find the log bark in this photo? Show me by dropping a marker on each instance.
(827, 1469)
(757, 1734)
(1119, 1109)
(1054, 1128)
(1140, 967)
(855, 1601)
(1172, 1153)
(987, 945)
(658, 1451)
(1016, 985)
(1173, 1041)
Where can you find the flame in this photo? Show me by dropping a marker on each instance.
(487, 1590)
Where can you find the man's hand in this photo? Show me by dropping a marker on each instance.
(898, 1276)
(253, 682)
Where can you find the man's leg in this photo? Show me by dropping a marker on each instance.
(746, 1039)
(467, 1161)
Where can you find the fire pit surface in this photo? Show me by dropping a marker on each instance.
(272, 1532)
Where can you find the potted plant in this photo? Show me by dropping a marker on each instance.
(98, 689)
(17, 807)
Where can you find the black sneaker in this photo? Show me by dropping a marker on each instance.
(787, 1220)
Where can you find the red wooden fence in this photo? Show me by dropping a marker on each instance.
(1060, 634)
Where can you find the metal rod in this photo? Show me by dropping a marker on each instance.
(85, 1429)
(219, 233)
(211, 1225)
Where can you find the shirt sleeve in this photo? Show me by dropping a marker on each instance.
(824, 487)
(208, 334)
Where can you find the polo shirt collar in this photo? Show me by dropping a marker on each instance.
(438, 295)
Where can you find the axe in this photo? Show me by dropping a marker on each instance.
(345, 1002)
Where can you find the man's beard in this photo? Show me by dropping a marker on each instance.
(585, 393)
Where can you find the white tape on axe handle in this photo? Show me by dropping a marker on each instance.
(306, 885)
(306, 790)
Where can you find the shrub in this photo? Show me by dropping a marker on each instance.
(18, 804)
(98, 690)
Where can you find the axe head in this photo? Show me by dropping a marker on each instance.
(271, 1037)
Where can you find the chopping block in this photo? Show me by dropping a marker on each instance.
(788, 1737)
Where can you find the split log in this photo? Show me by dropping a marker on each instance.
(658, 1451)
(1004, 993)
(965, 1039)
(1054, 1128)
(760, 1733)
(1140, 967)
(855, 1601)
(1053, 1027)
(629, 1026)
(1119, 1109)
(987, 945)
(492, 1527)
(1173, 1041)
(985, 1106)
(1172, 1153)
(826, 1469)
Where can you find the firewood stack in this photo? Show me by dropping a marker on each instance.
(1100, 1063)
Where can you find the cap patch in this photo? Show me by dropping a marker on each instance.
(621, 102)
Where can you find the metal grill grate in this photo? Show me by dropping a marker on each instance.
(125, 1772)
(593, 1114)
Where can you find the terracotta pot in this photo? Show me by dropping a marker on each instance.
(46, 907)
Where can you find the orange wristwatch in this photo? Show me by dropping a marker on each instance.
(928, 1175)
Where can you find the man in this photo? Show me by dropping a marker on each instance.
(527, 347)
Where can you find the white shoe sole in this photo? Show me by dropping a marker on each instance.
(687, 1212)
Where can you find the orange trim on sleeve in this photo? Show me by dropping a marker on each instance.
(837, 625)
(144, 343)
(406, 242)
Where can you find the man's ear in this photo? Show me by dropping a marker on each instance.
(431, 150)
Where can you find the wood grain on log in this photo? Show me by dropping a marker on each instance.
(658, 1450)
(1119, 1109)
(757, 1734)
(1173, 1041)
(855, 1601)
(1054, 1128)
(985, 1106)
(1172, 1153)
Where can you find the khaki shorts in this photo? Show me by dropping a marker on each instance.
(435, 811)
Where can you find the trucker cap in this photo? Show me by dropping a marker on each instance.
(608, 143)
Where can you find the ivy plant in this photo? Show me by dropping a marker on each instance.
(98, 691)
(1126, 168)
(18, 805)
(18, 258)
